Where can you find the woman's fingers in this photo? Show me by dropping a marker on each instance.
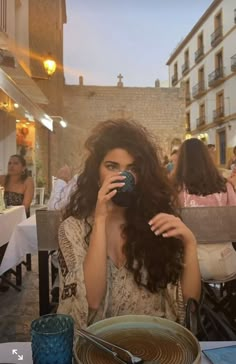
(165, 224)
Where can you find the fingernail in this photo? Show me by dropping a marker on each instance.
(165, 235)
(157, 232)
(150, 222)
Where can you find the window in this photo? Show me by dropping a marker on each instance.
(185, 66)
(200, 41)
(201, 79)
(222, 146)
(187, 121)
(175, 75)
(219, 60)
(200, 48)
(187, 92)
(217, 36)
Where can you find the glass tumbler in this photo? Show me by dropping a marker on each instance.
(52, 339)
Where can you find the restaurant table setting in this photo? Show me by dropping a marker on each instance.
(131, 339)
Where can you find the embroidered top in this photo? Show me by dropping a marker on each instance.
(122, 297)
(14, 199)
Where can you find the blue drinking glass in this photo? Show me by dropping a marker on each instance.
(52, 339)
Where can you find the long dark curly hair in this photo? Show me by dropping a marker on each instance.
(196, 170)
(162, 258)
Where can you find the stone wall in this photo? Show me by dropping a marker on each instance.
(159, 109)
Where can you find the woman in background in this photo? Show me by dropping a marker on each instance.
(18, 190)
(199, 183)
(18, 186)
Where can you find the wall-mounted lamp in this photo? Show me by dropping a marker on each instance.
(49, 65)
(62, 122)
(188, 136)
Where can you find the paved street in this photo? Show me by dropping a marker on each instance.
(18, 309)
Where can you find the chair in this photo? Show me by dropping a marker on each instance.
(47, 223)
(215, 225)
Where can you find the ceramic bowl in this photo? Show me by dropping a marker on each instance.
(149, 337)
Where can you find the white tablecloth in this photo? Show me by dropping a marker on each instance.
(22, 241)
(8, 220)
(13, 352)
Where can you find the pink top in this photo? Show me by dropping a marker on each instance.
(215, 199)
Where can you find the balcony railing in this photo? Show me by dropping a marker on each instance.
(200, 121)
(216, 77)
(174, 79)
(219, 113)
(185, 68)
(199, 54)
(199, 89)
(217, 36)
(233, 63)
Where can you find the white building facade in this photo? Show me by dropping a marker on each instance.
(206, 62)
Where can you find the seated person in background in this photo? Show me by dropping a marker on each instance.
(173, 161)
(18, 190)
(232, 159)
(212, 151)
(62, 189)
(199, 183)
(129, 256)
(18, 186)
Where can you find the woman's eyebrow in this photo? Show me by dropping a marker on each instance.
(112, 162)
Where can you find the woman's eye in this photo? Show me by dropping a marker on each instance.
(111, 167)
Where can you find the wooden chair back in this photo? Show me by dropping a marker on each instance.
(211, 224)
(47, 222)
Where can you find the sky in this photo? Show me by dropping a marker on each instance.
(103, 38)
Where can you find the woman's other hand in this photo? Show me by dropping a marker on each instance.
(171, 226)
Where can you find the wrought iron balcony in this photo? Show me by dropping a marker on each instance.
(200, 121)
(217, 36)
(218, 114)
(199, 89)
(185, 68)
(233, 63)
(216, 77)
(174, 79)
(198, 55)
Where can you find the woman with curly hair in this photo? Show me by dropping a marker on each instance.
(129, 256)
(199, 183)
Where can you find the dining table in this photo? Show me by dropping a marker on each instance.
(20, 352)
(9, 219)
(22, 238)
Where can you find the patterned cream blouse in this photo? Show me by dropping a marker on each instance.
(122, 297)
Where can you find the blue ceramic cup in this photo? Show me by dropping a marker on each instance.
(52, 339)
